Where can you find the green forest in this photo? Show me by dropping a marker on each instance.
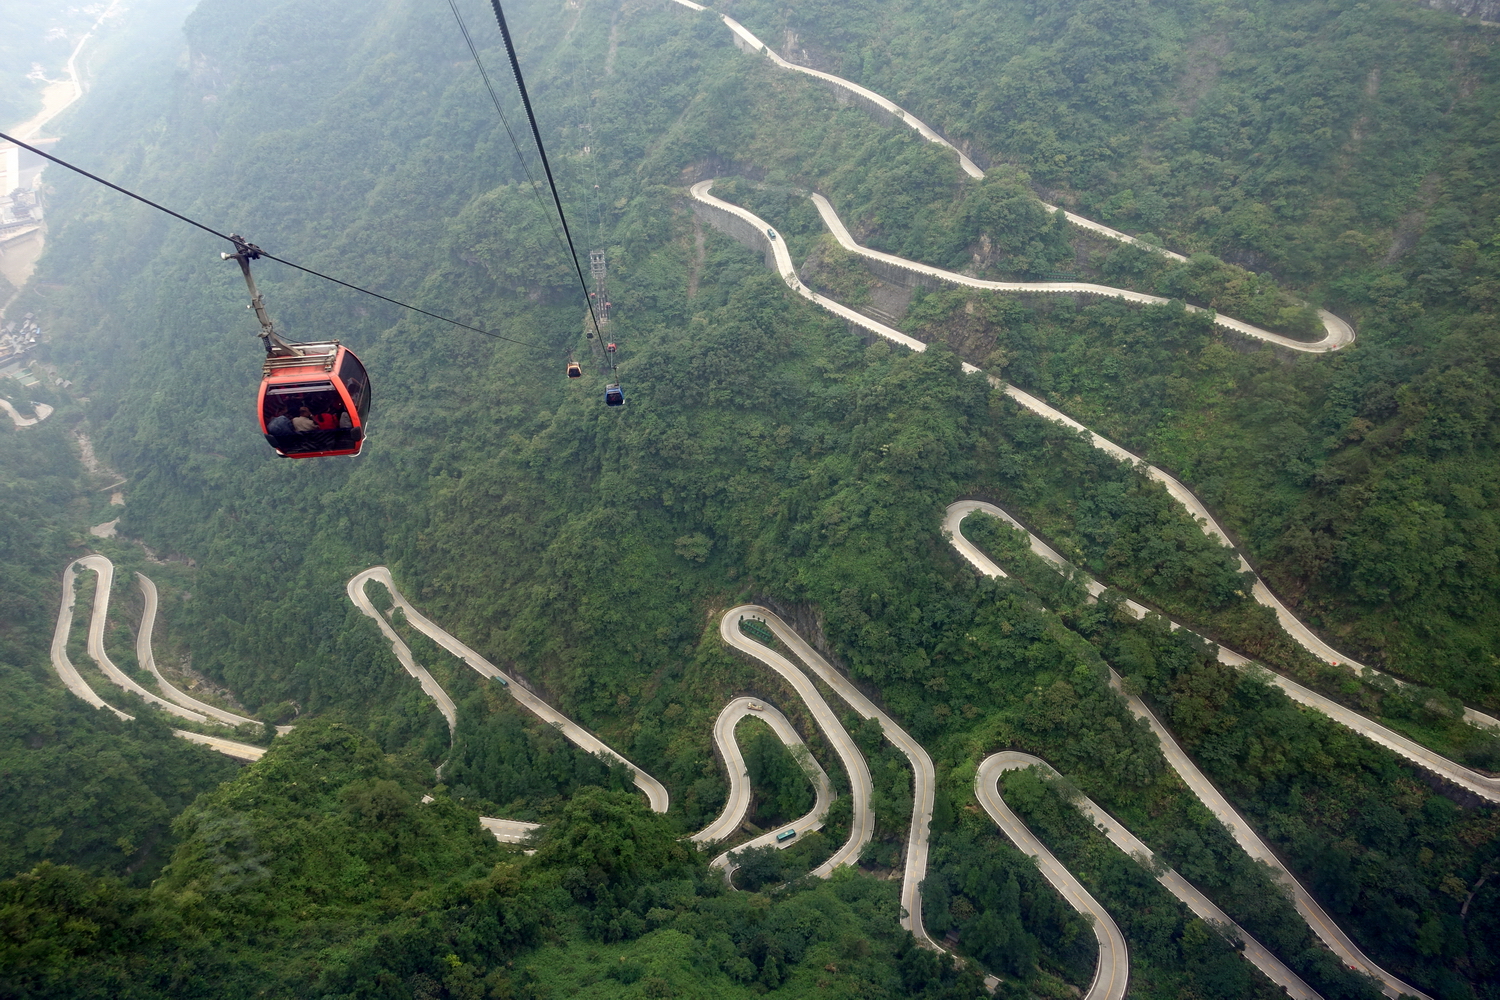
(1328, 154)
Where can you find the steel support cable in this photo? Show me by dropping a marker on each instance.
(536, 134)
(495, 100)
(269, 256)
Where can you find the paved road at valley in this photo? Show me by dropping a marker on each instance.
(1112, 974)
(43, 411)
(862, 820)
(738, 803)
(1197, 782)
(924, 775)
(655, 791)
(58, 96)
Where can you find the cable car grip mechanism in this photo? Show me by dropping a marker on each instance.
(244, 253)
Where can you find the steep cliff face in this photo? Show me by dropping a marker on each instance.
(1479, 10)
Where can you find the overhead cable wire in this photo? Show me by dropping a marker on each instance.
(269, 256)
(536, 134)
(536, 189)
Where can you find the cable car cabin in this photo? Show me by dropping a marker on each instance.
(614, 395)
(575, 370)
(326, 385)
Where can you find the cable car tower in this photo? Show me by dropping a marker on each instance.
(599, 270)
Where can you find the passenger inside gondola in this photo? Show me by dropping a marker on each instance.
(307, 421)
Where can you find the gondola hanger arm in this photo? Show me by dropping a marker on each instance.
(244, 253)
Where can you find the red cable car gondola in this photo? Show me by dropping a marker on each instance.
(314, 404)
(314, 398)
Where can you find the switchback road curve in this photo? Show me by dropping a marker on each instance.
(924, 775)
(1197, 782)
(655, 791)
(1109, 979)
(738, 802)
(1294, 627)
(74, 681)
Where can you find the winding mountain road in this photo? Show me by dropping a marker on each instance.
(1195, 507)
(738, 803)
(924, 775)
(1113, 968)
(655, 791)
(1197, 782)
(1326, 930)
(75, 683)
(1337, 332)
(147, 659)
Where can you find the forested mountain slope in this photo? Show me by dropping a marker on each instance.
(1347, 150)
(765, 453)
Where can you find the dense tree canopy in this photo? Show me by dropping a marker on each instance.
(766, 452)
